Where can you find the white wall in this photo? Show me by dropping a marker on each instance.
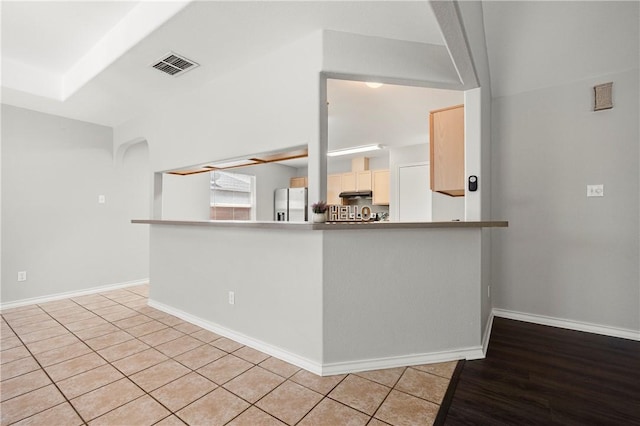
(303, 300)
(53, 170)
(186, 197)
(565, 255)
(414, 295)
(269, 104)
(277, 307)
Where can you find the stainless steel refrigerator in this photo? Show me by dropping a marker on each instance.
(290, 205)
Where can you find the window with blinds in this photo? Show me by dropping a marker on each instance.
(232, 196)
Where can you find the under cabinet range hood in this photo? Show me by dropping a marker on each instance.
(356, 194)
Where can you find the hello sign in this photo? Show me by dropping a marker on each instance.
(339, 213)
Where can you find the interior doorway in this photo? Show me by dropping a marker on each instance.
(414, 193)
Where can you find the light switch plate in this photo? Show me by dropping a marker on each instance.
(595, 190)
(102, 199)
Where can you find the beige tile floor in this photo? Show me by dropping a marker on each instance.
(109, 359)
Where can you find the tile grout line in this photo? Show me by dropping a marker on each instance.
(372, 416)
(378, 420)
(221, 386)
(405, 393)
(327, 397)
(386, 396)
(86, 422)
(416, 396)
(137, 311)
(92, 351)
(171, 412)
(311, 409)
(126, 376)
(47, 374)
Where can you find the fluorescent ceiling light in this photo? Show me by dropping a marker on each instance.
(373, 85)
(354, 150)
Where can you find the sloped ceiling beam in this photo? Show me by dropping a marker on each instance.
(448, 17)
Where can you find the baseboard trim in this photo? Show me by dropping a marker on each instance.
(569, 324)
(487, 335)
(402, 361)
(256, 344)
(70, 294)
(318, 368)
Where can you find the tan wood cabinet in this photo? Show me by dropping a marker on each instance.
(357, 181)
(334, 188)
(446, 150)
(298, 182)
(349, 182)
(381, 186)
(363, 180)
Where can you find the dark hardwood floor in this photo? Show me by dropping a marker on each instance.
(539, 375)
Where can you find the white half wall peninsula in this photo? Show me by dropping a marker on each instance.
(327, 297)
(330, 298)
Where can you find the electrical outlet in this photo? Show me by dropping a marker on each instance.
(595, 190)
(22, 276)
(232, 298)
(102, 199)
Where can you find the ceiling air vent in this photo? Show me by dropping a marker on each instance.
(174, 64)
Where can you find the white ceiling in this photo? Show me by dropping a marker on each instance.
(54, 35)
(53, 38)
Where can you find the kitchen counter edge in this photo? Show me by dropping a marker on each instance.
(327, 226)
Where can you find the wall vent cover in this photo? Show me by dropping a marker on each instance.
(174, 64)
